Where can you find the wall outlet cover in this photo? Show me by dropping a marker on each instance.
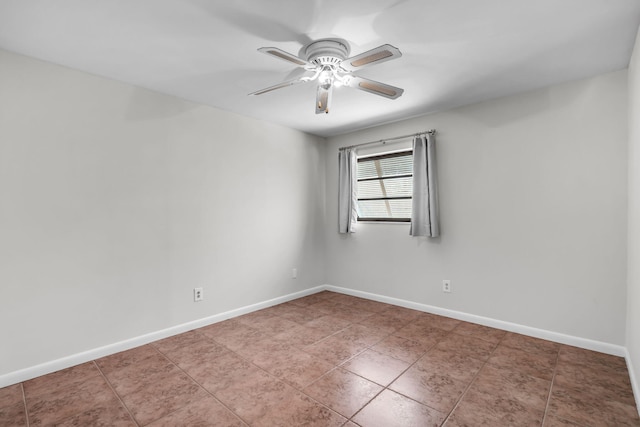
(446, 286)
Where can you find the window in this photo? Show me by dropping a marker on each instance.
(385, 186)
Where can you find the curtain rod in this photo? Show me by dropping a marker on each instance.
(383, 141)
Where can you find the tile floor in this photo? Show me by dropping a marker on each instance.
(334, 360)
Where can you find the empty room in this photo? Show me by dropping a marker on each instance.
(320, 213)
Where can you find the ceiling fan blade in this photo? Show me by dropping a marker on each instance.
(286, 56)
(378, 55)
(375, 87)
(323, 99)
(279, 86)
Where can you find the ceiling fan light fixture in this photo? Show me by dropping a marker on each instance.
(326, 77)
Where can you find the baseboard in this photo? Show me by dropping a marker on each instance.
(86, 356)
(78, 358)
(616, 350)
(634, 383)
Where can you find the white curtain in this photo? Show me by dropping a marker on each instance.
(424, 211)
(347, 194)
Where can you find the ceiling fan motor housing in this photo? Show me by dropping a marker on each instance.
(327, 52)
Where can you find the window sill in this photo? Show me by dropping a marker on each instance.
(384, 222)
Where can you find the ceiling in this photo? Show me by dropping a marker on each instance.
(454, 52)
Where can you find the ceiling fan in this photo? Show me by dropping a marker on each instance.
(327, 60)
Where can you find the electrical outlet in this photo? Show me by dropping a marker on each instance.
(294, 273)
(198, 294)
(446, 286)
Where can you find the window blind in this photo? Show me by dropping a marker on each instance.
(385, 187)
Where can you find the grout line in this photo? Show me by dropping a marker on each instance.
(335, 367)
(416, 361)
(115, 393)
(553, 379)
(384, 388)
(24, 402)
(73, 385)
(301, 390)
(370, 347)
(455, 406)
(200, 385)
(365, 405)
(258, 367)
(431, 347)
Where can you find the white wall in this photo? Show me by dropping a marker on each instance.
(633, 255)
(533, 204)
(115, 202)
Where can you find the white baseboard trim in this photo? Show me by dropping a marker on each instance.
(632, 376)
(616, 350)
(96, 353)
(86, 356)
